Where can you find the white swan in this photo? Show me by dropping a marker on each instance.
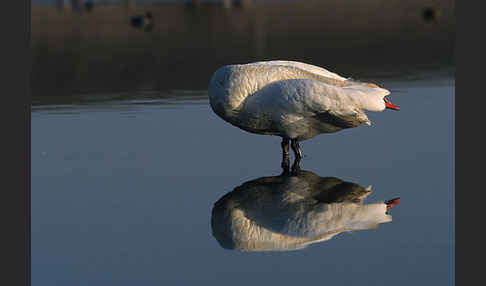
(294, 100)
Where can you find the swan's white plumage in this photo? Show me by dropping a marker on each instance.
(291, 99)
(303, 66)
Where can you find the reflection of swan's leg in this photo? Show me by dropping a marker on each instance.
(285, 168)
(297, 164)
(298, 155)
(285, 154)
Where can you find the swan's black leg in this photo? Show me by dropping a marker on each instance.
(296, 149)
(285, 147)
(285, 154)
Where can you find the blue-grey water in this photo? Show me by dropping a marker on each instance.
(123, 191)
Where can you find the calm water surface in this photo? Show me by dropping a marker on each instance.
(123, 192)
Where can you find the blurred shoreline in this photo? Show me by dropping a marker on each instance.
(98, 50)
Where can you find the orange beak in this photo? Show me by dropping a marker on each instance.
(390, 105)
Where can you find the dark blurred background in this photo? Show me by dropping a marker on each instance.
(108, 46)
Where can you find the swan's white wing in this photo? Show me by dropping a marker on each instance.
(306, 97)
(303, 66)
(336, 217)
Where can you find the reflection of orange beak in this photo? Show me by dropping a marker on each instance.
(390, 105)
(391, 203)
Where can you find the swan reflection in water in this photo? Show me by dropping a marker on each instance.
(292, 211)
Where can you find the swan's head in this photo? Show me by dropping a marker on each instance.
(376, 99)
(390, 105)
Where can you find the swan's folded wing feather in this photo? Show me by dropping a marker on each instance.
(334, 104)
(306, 67)
(341, 121)
(302, 98)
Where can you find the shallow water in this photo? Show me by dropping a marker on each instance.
(123, 191)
